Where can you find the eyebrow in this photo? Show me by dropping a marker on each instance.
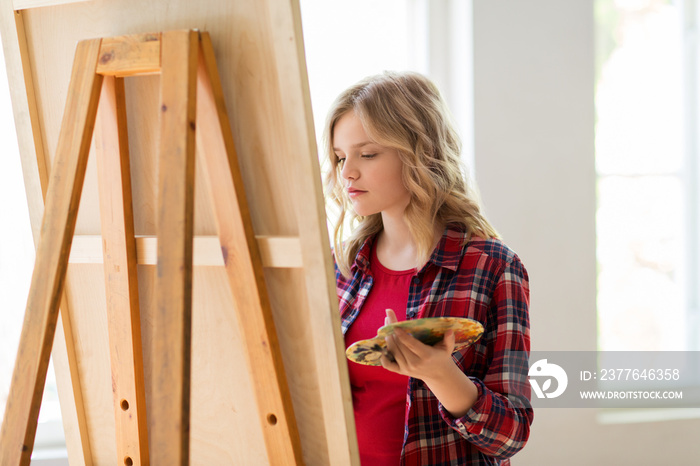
(358, 145)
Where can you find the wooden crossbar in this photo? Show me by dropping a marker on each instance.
(276, 251)
(130, 55)
(190, 92)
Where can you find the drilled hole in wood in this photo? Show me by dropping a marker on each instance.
(128, 461)
(125, 406)
(272, 419)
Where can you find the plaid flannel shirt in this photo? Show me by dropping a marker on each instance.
(485, 281)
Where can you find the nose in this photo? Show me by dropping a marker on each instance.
(349, 170)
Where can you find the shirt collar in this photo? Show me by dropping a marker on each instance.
(363, 255)
(448, 252)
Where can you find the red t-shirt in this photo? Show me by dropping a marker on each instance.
(379, 395)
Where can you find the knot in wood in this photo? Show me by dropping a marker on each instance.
(107, 57)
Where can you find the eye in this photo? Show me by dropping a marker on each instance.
(341, 160)
(368, 156)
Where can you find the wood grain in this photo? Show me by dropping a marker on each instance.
(24, 4)
(267, 102)
(173, 315)
(62, 200)
(130, 55)
(90, 337)
(331, 365)
(278, 252)
(26, 112)
(243, 264)
(65, 361)
(36, 181)
(121, 281)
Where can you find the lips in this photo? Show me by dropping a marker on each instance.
(353, 192)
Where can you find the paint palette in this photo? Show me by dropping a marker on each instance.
(429, 330)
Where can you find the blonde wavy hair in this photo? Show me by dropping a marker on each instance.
(406, 112)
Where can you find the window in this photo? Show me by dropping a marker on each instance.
(647, 165)
(347, 41)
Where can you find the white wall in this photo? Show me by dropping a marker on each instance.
(534, 163)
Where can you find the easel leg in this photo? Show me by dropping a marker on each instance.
(65, 360)
(173, 316)
(244, 265)
(121, 280)
(63, 199)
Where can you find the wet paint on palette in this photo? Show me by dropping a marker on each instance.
(430, 330)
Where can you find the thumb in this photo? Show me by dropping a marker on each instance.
(390, 317)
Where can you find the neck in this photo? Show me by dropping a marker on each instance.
(395, 233)
(396, 248)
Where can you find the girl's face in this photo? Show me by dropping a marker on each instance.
(371, 173)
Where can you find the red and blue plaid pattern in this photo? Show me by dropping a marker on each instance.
(483, 280)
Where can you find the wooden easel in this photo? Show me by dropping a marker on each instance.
(192, 109)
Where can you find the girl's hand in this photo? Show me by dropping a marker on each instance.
(433, 365)
(416, 359)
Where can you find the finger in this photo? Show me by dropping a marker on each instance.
(390, 317)
(448, 341)
(393, 346)
(408, 342)
(389, 364)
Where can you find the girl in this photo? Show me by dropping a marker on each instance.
(422, 247)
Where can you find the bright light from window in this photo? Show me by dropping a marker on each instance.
(639, 160)
(347, 41)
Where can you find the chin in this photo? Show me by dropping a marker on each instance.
(365, 212)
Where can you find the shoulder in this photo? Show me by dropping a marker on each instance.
(457, 245)
(494, 254)
(493, 248)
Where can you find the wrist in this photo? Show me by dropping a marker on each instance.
(454, 390)
(443, 375)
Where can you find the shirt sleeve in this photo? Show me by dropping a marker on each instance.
(498, 424)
